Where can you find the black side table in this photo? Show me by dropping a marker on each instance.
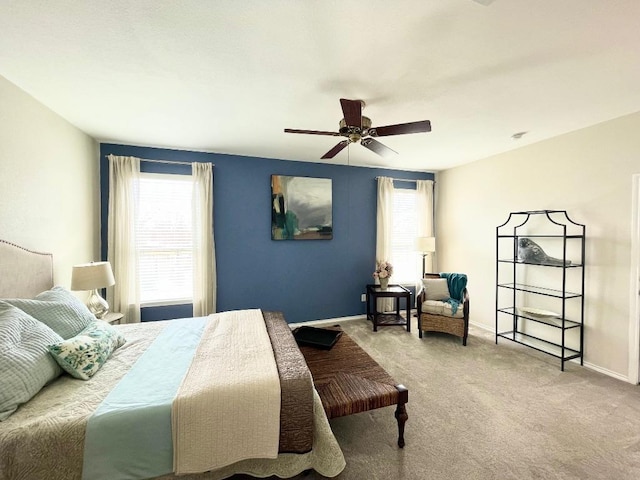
(380, 319)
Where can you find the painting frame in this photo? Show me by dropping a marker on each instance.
(301, 208)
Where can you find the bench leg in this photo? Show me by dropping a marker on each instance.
(401, 412)
(401, 416)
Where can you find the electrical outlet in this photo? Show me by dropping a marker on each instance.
(363, 297)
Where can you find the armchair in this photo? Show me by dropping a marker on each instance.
(436, 315)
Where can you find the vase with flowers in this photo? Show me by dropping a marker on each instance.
(383, 272)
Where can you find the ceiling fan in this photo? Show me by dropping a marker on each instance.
(356, 127)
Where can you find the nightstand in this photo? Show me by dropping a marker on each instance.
(113, 318)
(381, 319)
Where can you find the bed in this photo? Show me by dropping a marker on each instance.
(48, 436)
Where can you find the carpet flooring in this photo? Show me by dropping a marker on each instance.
(488, 411)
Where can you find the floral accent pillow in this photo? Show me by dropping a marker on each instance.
(83, 355)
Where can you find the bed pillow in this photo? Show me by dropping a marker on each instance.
(25, 363)
(59, 309)
(435, 289)
(83, 355)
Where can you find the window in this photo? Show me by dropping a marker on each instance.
(404, 258)
(164, 239)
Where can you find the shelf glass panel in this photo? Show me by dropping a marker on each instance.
(511, 260)
(540, 345)
(551, 321)
(550, 292)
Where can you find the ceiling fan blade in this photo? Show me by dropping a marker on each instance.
(352, 110)
(334, 151)
(311, 132)
(377, 147)
(401, 129)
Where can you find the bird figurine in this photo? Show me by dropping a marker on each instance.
(530, 252)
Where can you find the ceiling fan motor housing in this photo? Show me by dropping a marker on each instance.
(355, 133)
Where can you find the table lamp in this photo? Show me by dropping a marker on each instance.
(92, 276)
(425, 245)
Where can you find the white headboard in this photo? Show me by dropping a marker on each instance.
(23, 273)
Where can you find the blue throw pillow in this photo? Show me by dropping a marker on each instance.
(59, 309)
(25, 363)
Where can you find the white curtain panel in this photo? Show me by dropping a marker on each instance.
(384, 226)
(124, 178)
(424, 191)
(204, 255)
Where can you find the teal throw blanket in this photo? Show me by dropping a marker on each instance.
(456, 282)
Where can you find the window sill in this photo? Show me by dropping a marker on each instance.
(167, 303)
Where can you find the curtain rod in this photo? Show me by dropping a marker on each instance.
(167, 161)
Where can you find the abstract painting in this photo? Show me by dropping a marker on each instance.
(301, 208)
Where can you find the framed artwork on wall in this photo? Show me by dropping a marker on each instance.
(301, 208)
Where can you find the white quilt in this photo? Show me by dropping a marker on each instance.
(242, 384)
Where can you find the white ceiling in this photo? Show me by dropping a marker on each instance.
(229, 75)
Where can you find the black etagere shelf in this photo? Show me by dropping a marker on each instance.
(560, 334)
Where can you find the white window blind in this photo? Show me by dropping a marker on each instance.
(404, 257)
(164, 239)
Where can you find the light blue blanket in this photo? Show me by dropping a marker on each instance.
(129, 435)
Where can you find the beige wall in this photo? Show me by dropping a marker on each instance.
(586, 172)
(49, 190)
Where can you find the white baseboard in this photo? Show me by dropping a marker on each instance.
(607, 372)
(588, 365)
(328, 321)
(482, 326)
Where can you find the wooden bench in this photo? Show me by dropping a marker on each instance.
(349, 381)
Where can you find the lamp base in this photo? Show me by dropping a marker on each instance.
(97, 305)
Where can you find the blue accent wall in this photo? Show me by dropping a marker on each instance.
(305, 279)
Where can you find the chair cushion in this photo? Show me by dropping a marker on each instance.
(435, 307)
(435, 288)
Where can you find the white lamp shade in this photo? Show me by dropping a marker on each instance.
(426, 244)
(90, 276)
